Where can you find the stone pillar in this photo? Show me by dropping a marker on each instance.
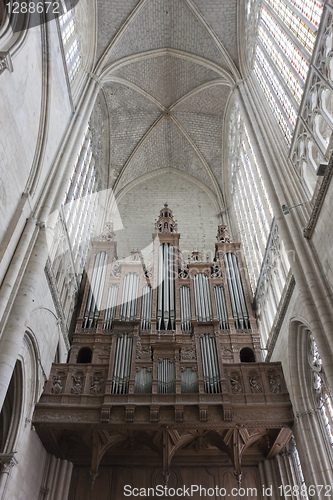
(7, 462)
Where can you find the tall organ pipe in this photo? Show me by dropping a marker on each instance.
(122, 366)
(240, 291)
(166, 288)
(111, 306)
(129, 297)
(210, 367)
(96, 289)
(185, 308)
(202, 299)
(166, 376)
(236, 291)
(146, 308)
(160, 287)
(221, 307)
(231, 291)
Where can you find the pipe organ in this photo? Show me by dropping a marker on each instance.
(205, 303)
(210, 367)
(122, 365)
(93, 304)
(166, 376)
(157, 345)
(146, 308)
(239, 309)
(166, 288)
(111, 305)
(129, 299)
(185, 308)
(203, 306)
(221, 307)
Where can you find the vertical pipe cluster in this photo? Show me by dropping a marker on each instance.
(146, 308)
(166, 376)
(237, 298)
(221, 307)
(122, 364)
(203, 305)
(143, 381)
(185, 308)
(95, 294)
(111, 306)
(210, 365)
(129, 298)
(189, 381)
(166, 288)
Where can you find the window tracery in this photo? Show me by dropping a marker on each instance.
(287, 35)
(70, 39)
(253, 210)
(322, 393)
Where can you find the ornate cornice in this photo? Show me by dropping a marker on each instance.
(285, 300)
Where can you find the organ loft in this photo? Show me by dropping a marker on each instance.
(164, 382)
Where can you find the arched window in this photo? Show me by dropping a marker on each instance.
(322, 393)
(253, 211)
(70, 39)
(286, 37)
(80, 202)
(11, 411)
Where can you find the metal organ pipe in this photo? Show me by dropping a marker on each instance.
(236, 292)
(111, 306)
(122, 366)
(166, 288)
(185, 308)
(240, 292)
(210, 366)
(95, 294)
(203, 305)
(129, 297)
(221, 307)
(146, 308)
(166, 376)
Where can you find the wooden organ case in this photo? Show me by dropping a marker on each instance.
(165, 382)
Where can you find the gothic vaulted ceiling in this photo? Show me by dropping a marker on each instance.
(167, 69)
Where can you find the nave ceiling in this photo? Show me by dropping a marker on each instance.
(167, 69)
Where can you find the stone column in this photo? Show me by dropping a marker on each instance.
(7, 462)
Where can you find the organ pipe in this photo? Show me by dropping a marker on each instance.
(210, 366)
(146, 308)
(185, 308)
(189, 381)
(166, 376)
(203, 306)
(143, 381)
(95, 294)
(122, 366)
(237, 298)
(111, 306)
(221, 307)
(166, 288)
(129, 297)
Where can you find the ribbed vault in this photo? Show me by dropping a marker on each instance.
(167, 69)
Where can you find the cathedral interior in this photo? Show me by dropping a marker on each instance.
(166, 306)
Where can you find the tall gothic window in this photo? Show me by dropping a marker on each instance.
(80, 201)
(323, 395)
(287, 33)
(70, 39)
(253, 210)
